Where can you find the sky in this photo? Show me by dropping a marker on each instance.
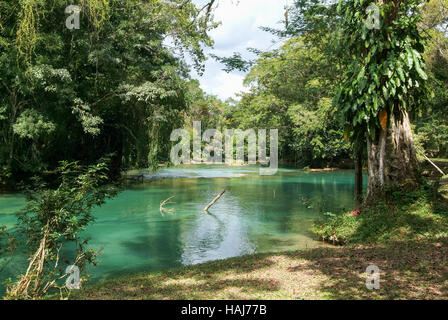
(239, 30)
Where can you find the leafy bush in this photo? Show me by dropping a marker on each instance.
(337, 228)
(52, 221)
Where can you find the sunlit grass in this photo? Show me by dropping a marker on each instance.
(440, 160)
(409, 270)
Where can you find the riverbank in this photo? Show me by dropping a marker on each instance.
(412, 215)
(409, 270)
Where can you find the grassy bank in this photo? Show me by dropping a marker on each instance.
(409, 270)
(413, 215)
(406, 236)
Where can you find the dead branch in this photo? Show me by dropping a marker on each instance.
(440, 170)
(165, 202)
(214, 200)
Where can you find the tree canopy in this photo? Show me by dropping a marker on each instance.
(116, 85)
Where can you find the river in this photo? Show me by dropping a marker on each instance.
(256, 214)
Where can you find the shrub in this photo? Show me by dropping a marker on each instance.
(53, 220)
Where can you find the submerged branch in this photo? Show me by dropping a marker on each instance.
(214, 200)
(165, 202)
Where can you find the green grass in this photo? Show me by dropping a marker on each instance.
(440, 160)
(403, 216)
(444, 191)
(409, 270)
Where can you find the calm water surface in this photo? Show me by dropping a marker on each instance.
(256, 214)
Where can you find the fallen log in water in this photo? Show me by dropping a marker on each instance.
(214, 200)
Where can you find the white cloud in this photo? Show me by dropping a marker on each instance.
(225, 84)
(239, 30)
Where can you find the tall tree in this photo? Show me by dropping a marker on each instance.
(383, 83)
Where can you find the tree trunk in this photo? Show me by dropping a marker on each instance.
(376, 154)
(391, 157)
(358, 176)
(403, 165)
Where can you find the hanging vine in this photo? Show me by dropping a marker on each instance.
(27, 29)
(97, 11)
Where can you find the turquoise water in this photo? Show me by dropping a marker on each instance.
(256, 214)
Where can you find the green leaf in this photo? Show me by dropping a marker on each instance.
(401, 74)
(385, 93)
(361, 73)
(410, 60)
(421, 73)
(376, 79)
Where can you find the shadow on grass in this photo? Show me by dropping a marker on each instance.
(196, 282)
(408, 242)
(409, 270)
